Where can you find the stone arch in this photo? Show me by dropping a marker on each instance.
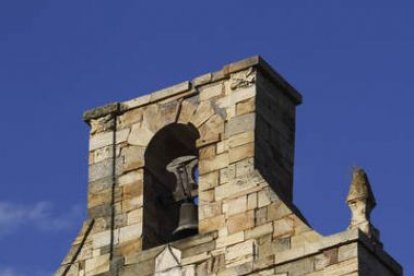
(160, 212)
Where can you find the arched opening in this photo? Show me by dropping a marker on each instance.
(174, 146)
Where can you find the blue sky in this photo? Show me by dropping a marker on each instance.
(352, 61)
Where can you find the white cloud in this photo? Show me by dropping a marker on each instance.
(8, 271)
(40, 216)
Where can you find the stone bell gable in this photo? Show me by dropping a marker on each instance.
(227, 138)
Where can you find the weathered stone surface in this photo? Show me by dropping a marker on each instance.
(107, 138)
(246, 106)
(242, 122)
(129, 118)
(169, 258)
(229, 239)
(242, 251)
(133, 157)
(211, 91)
(212, 164)
(101, 111)
(235, 206)
(211, 223)
(235, 97)
(259, 231)
(202, 114)
(140, 136)
(238, 186)
(105, 169)
(187, 109)
(130, 232)
(240, 222)
(209, 210)
(241, 152)
(97, 265)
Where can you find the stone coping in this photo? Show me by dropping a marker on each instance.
(191, 86)
(291, 255)
(335, 240)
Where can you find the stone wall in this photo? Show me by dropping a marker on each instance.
(245, 117)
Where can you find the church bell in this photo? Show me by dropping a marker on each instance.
(187, 221)
(186, 190)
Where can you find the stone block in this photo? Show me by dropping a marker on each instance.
(209, 210)
(347, 252)
(152, 118)
(261, 216)
(211, 223)
(240, 222)
(97, 265)
(195, 258)
(187, 110)
(238, 269)
(130, 178)
(282, 244)
(229, 240)
(140, 136)
(212, 128)
(244, 167)
(208, 181)
(241, 152)
(283, 228)
(198, 249)
(130, 248)
(101, 197)
(203, 112)
(136, 102)
(328, 257)
(218, 162)
(246, 106)
(101, 239)
(222, 146)
(277, 210)
(103, 153)
(105, 169)
(259, 231)
(132, 203)
(134, 216)
(251, 201)
(235, 206)
(241, 139)
(107, 138)
(207, 152)
(300, 267)
(240, 124)
(129, 118)
(227, 173)
(100, 210)
(170, 91)
(130, 232)
(343, 268)
(263, 198)
(133, 157)
(241, 251)
(203, 79)
(210, 91)
(237, 187)
(236, 96)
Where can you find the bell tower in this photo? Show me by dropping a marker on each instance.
(197, 178)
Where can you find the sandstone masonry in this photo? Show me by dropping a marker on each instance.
(244, 118)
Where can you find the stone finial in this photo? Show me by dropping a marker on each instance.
(361, 201)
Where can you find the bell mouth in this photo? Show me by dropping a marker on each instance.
(188, 221)
(184, 233)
